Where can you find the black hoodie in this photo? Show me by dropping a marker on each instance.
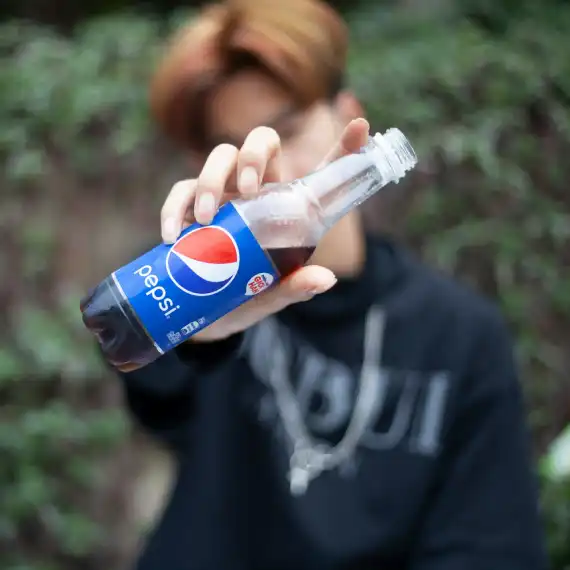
(440, 479)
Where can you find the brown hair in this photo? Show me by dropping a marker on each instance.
(302, 43)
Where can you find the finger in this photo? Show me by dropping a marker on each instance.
(228, 195)
(174, 209)
(259, 160)
(307, 282)
(354, 137)
(302, 285)
(219, 165)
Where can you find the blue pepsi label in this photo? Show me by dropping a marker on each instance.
(177, 290)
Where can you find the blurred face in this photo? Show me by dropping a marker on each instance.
(251, 98)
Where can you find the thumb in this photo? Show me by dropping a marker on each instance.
(306, 283)
(353, 138)
(300, 286)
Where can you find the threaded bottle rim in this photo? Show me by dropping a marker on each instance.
(397, 151)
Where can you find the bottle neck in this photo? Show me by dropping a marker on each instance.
(344, 184)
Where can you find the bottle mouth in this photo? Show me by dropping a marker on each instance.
(397, 151)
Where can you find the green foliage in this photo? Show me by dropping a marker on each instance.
(45, 451)
(556, 506)
(486, 108)
(65, 93)
(555, 480)
(67, 107)
(489, 116)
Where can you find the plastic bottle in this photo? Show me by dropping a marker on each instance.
(167, 295)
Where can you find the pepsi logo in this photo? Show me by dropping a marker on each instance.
(204, 261)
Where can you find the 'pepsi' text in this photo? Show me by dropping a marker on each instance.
(156, 291)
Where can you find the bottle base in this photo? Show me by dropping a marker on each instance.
(123, 340)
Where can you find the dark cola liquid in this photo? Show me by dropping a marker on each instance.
(124, 342)
(122, 338)
(289, 259)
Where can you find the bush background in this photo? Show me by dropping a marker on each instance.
(481, 87)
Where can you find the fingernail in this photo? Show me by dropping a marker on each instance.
(307, 296)
(313, 292)
(169, 232)
(320, 290)
(206, 208)
(248, 180)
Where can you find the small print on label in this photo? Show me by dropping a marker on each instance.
(194, 325)
(174, 337)
(258, 283)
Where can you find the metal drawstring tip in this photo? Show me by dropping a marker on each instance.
(298, 481)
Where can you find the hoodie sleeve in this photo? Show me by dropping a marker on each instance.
(484, 513)
(160, 396)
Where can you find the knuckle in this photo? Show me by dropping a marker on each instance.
(176, 195)
(178, 191)
(209, 182)
(262, 140)
(167, 211)
(269, 135)
(220, 161)
(260, 149)
(252, 157)
(225, 149)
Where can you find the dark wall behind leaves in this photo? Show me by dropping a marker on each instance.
(65, 14)
(83, 174)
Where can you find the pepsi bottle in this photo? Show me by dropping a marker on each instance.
(167, 295)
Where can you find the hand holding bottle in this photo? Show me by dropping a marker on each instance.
(245, 170)
(208, 281)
